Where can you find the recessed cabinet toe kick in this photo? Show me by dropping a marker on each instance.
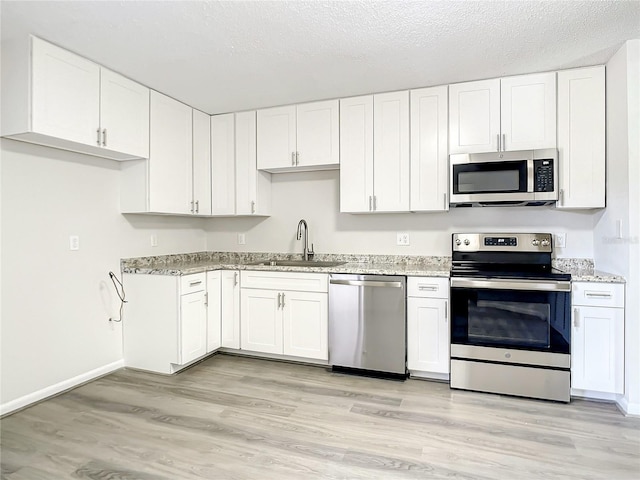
(367, 324)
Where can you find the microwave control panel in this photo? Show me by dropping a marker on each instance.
(543, 175)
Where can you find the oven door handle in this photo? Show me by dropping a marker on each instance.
(512, 284)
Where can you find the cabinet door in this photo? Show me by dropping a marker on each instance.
(170, 156)
(391, 152)
(230, 309)
(474, 116)
(65, 94)
(253, 187)
(528, 111)
(214, 310)
(356, 154)
(261, 323)
(201, 163)
(223, 158)
(427, 335)
(317, 134)
(124, 114)
(305, 324)
(193, 326)
(597, 349)
(276, 138)
(581, 137)
(429, 149)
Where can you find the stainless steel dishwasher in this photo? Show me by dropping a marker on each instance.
(367, 324)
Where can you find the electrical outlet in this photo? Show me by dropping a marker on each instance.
(560, 240)
(154, 240)
(74, 242)
(402, 239)
(242, 239)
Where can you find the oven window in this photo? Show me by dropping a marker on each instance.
(508, 323)
(531, 320)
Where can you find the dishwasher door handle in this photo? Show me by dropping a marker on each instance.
(366, 283)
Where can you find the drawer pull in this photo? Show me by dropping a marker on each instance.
(193, 284)
(576, 319)
(428, 288)
(598, 294)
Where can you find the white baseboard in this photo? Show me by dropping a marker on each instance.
(628, 408)
(60, 387)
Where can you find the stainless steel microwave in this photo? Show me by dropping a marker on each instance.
(527, 177)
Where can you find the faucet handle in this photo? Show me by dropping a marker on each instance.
(310, 252)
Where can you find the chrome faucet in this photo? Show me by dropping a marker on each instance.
(308, 254)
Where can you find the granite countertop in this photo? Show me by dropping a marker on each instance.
(581, 270)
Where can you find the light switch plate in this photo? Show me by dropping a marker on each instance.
(402, 239)
(242, 239)
(560, 240)
(74, 242)
(154, 240)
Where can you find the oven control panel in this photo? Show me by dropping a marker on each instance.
(501, 242)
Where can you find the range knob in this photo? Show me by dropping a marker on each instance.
(466, 241)
(545, 242)
(535, 242)
(458, 241)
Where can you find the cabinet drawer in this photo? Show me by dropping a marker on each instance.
(598, 294)
(196, 282)
(302, 282)
(428, 287)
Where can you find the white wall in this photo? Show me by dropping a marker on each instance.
(56, 302)
(615, 252)
(314, 196)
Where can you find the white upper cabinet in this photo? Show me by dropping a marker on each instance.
(298, 137)
(356, 154)
(429, 149)
(253, 187)
(59, 99)
(581, 137)
(374, 166)
(223, 159)
(201, 163)
(512, 113)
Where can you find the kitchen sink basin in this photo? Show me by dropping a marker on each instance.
(297, 263)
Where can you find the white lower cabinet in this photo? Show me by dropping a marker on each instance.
(428, 327)
(285, 313)
(165, 321)
(230, 308)
(597, 339)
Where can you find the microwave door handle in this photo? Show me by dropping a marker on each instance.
(530, 173)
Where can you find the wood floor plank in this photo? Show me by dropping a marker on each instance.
(235, 417)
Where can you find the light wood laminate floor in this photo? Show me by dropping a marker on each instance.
(241, 418)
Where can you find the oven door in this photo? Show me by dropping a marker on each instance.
(519, 314)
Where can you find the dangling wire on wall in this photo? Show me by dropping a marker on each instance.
(121, 295)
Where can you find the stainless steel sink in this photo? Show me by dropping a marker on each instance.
(296, 263)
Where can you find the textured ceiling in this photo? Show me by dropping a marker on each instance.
(227, 56)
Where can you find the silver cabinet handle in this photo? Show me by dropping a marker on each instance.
(498, 141)
(504, 142)
(279, 300)
(235, 278)
(428, 288)
(297, 161)
(192, 209)
(561, 196)
(104, 137)
(598, 294)
(283, 300)
(197, 206)
(375, 203)
(370, 203)
(576, 319)
(446, 311)
(98, 139)
(293, 158)
(206, 299)
(253, 207)
(444, 197)
(194, 283)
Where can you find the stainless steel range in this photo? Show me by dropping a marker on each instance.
(510, 316)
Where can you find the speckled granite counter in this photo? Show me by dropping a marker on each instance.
(184, 264)
(581, 270)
